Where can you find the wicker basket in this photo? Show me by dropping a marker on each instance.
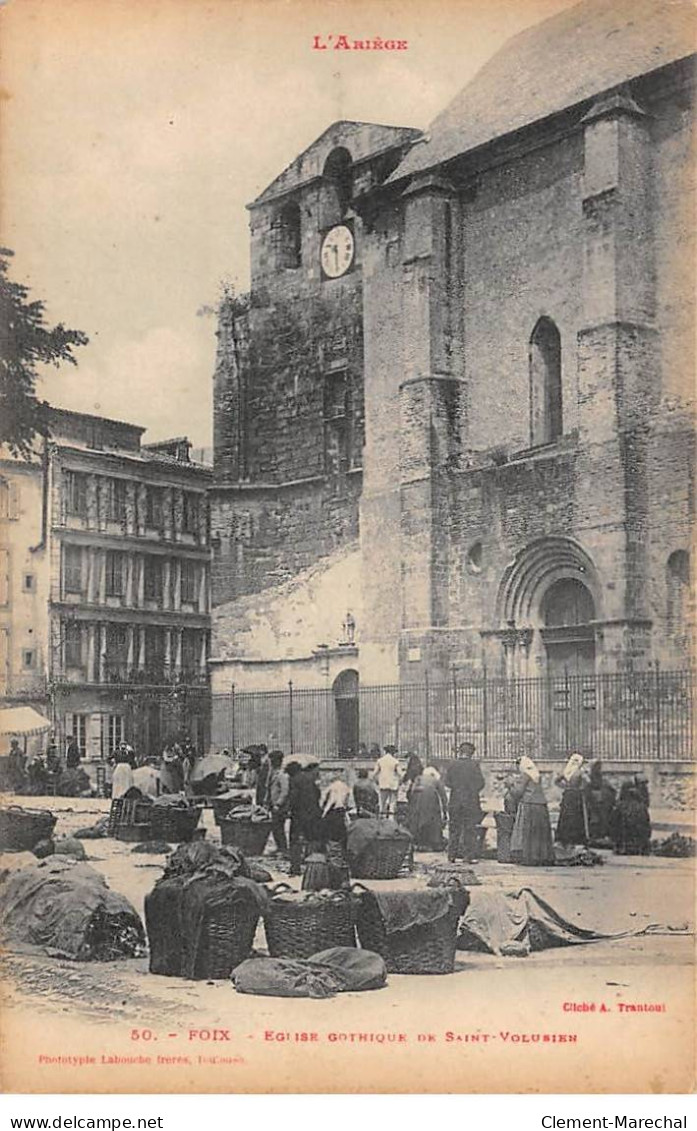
(249, 836)
(173, 824)
(127, 811)
(133, 833)
(304, 927)
(22, 829)
(222, 805)
(227, 936)
(383, 859)
(426, 949)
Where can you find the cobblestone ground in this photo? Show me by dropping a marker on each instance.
(496, 1024)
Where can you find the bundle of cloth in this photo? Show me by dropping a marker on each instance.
(197, 878)
(65, 908)
(365, 831)
(516, 923)
(341, 969)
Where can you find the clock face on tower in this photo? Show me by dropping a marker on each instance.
(338, 249)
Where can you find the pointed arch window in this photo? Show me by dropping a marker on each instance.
(546, 423)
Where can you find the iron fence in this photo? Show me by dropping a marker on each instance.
(624, 716)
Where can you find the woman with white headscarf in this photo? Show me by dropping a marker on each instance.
(531, 839)
(572, 826)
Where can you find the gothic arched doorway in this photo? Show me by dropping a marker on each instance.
(345, 691)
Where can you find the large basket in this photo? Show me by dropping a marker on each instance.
(249, 836)
(22, 829)
(173, 824)
(128, 811)
(425, 949)
(133, 833)
(222, 805)
(306, 927)
(227, 936)
(382, 859)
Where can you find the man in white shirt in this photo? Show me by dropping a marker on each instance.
(387, 775)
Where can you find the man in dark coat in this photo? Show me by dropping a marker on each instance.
(72, 756)
(305, 814)
(465, 781)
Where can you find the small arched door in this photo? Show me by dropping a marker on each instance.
(345, 692)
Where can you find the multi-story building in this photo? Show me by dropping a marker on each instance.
(106, 618)
(460, 404)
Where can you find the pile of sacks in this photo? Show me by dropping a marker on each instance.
(63, 907)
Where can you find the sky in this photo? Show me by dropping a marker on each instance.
(134, 132)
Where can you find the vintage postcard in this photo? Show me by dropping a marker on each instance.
(347, 499)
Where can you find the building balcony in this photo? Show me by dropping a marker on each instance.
(120, 675)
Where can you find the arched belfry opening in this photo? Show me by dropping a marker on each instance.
(546, 422)
(338, 178)
(287, 231)
(345, 692)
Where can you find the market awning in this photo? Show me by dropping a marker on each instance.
(23, 720)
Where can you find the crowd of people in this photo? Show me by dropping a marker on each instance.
(429, 800)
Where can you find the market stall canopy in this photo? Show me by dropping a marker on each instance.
(23, 720)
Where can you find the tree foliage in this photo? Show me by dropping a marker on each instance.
(26, 342)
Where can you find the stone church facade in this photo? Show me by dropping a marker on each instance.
(454, 418)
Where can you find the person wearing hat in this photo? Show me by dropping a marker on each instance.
(465, 781)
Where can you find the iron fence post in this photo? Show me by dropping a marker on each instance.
(290, 714)
(427, 718)
(659, 736)
(485, 711)
(567, 708)
(232, 700)
(456, 720)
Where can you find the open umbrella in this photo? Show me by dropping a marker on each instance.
(211, 764)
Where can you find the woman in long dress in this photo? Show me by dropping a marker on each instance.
(630, 824)
(427, 812)
(572, 825)
(531, 839)
(600, 799)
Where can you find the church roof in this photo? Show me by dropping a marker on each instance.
(361, 139)
(592, 47)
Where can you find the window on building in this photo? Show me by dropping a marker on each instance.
(72, 569)
(679, 610)
(545, 383)
(29, 583)
(114, 733)
(29, 658)
(154, 511)
(73, 645)
(188, 583)
(117, 652)
(77, 728)
(4, 577)
(152, 578)
(191, 652)
(117, 500)
(190, 513)
(4, 499)
(76, 497)
(155, 652)
(115, 574)
(287, 236)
